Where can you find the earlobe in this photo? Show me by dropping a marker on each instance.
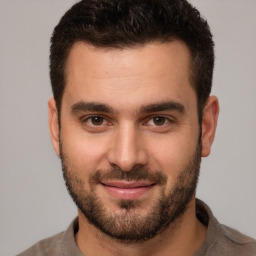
(54, 125)
(209, 124)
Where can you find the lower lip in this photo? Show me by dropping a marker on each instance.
(127, 193)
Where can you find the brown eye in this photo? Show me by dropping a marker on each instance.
(97, 120)
(159, 120)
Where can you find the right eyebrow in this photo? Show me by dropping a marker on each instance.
(163, 106)
(83, 106)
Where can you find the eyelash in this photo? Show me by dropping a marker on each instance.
(88, 122)
(166, 120)
(88, 119)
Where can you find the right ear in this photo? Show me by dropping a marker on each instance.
(54, 125)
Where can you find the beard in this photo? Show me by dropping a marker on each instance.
(130, 224)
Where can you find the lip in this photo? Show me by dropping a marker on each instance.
(127, 189)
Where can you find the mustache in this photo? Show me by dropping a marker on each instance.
(137, 173)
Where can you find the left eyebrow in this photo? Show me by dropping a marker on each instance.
(163, 106)
(82, 106)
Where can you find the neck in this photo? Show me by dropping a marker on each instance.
(184, 238)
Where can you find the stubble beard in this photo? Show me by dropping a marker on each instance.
(128, 224)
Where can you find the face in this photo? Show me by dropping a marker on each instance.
(129, 137)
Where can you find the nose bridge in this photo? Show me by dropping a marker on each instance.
(127, 150)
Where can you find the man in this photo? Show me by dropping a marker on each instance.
(130, 119)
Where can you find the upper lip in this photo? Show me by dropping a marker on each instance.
(127, 184)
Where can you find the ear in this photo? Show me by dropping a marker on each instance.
(54, 125)
(209, 124)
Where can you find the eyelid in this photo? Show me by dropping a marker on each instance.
(87, 116)
(106, 122)
(167, 118)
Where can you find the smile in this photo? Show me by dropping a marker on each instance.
(127, 190)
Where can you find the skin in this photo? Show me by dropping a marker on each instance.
(127, 80)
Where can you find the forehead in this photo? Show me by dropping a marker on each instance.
(126, 75)
(141, 57)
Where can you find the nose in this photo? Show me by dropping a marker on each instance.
(127, 149)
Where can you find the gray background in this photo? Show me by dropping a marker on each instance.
(33, 199)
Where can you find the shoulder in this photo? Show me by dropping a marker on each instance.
(232, 242)
(58, 245)
(221, 239)
(49, 246)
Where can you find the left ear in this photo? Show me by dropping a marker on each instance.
(54, 125)
(209, 124)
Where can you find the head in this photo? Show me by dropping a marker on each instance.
(131, 115)
(125, 24)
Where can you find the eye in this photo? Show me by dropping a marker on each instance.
(158, 121)
(96, 120)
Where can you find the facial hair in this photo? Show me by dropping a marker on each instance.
(128, 224)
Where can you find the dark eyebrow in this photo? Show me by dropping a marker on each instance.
(83, 106)
(162, 106)
(91, 106)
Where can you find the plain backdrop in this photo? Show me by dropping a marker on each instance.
(33, 198)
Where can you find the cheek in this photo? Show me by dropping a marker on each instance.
(171, 154)
(84, 152)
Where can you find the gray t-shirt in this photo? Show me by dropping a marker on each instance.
(220, 240)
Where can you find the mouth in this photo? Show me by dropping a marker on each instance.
(129, 190)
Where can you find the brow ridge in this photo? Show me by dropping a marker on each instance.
(91, 106)
(83, 106)
(163, 106)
